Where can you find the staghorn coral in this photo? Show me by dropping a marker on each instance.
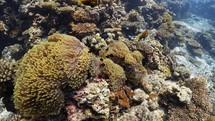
(114, 72)
(44, 70)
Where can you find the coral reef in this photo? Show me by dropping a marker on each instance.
(133, 61)
(133, 24)
(83, 29)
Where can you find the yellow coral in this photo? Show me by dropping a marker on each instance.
(118, 49)
(45, 69)
(165, 69)
(130, 61)
(114, 72)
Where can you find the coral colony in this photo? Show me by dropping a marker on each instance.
(105, 60)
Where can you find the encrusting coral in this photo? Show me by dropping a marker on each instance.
(45, 69)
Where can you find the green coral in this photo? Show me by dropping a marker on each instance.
(45, 69)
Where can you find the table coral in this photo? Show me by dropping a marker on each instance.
(44, 70)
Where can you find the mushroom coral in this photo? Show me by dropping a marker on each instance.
(43, 72)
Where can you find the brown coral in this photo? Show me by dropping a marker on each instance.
(130, 61)
(114, 72)
(83, 29)
(200, 106)
(82, 15)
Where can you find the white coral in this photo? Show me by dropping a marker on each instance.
(96, 95)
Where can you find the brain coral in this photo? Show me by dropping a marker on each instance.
(44, 70)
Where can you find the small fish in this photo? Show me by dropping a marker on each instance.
(142, 35)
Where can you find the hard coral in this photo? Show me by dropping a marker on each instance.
(82, 15)
(83, 29)
(7, 70)
(130, 61)
(114, 72)
(93, 3)
(96, 95)
(200, 106)
(44, 70)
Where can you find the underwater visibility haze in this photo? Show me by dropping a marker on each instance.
(107, 60)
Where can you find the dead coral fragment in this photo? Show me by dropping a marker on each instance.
(95, 95)
(44, 70)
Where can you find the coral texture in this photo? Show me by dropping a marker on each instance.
(130, 61)
(199, 107)
(43, 72)
(7, 70)
(114, 72)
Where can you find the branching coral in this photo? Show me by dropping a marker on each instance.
(45, 69)
(153, 55)
(7, 70)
